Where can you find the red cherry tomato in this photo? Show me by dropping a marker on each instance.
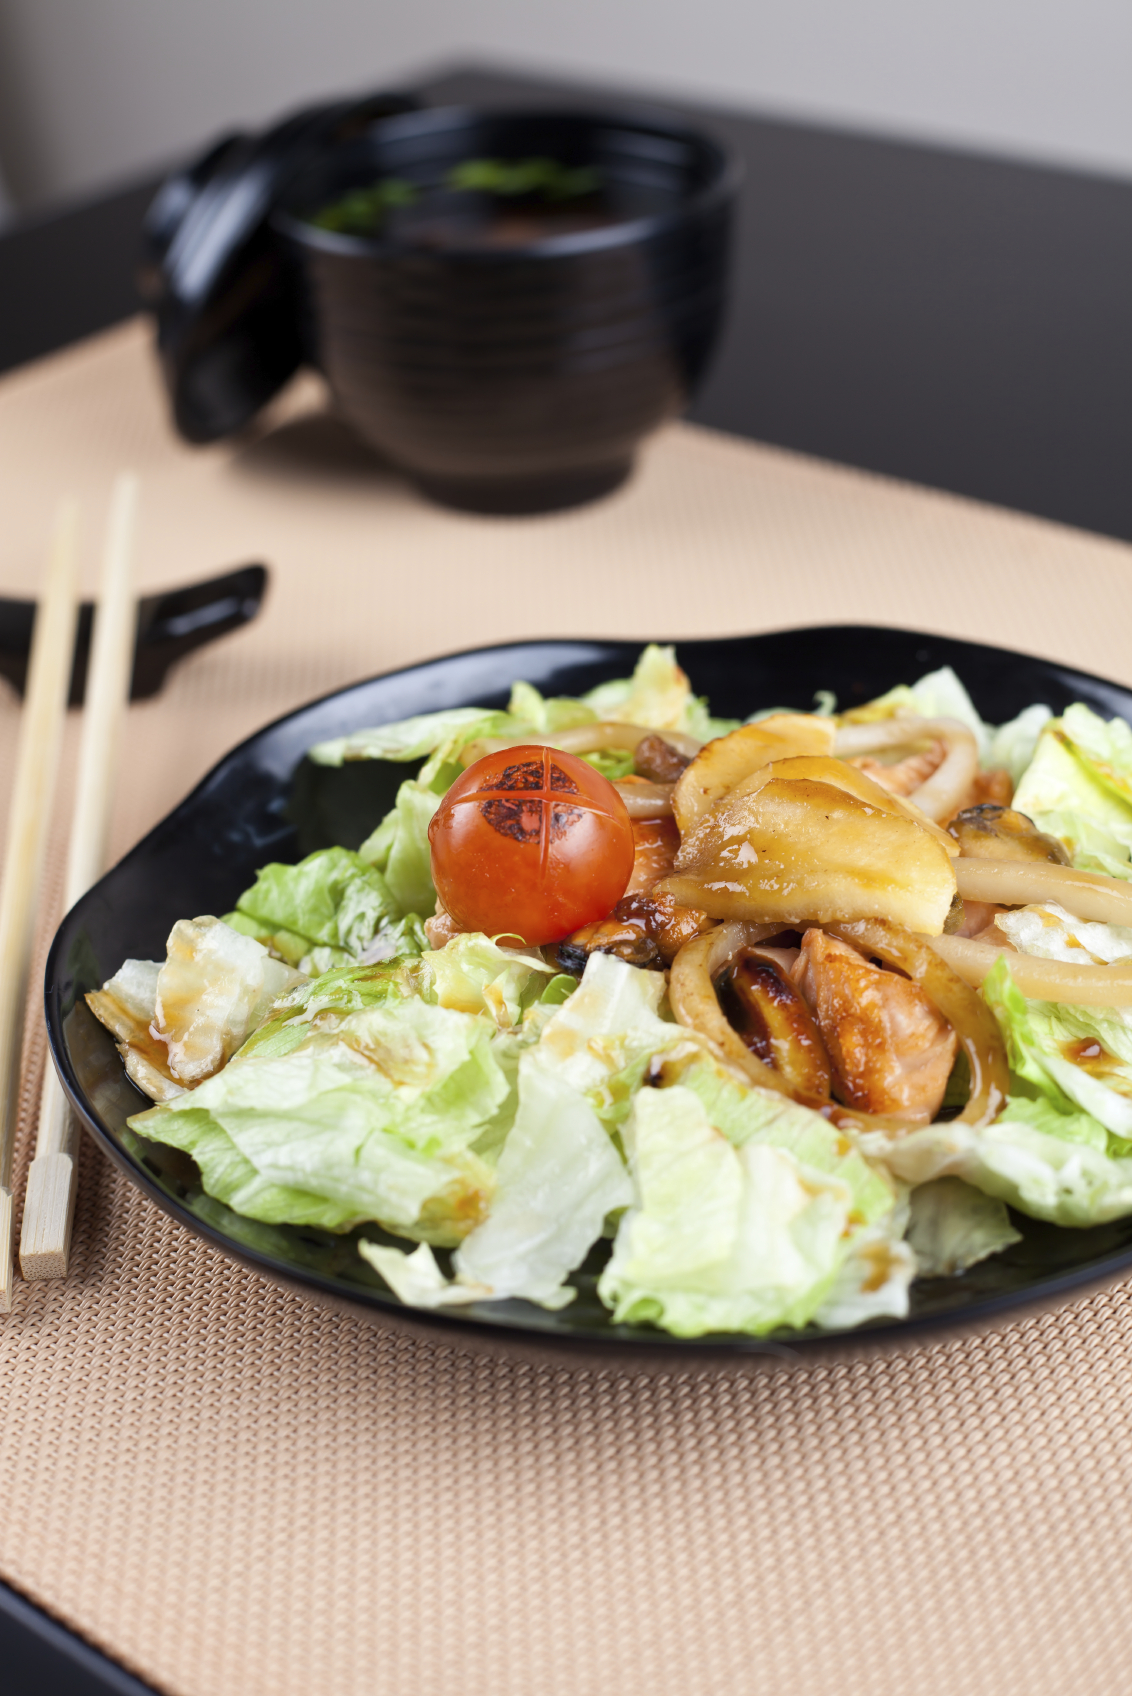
(533, 842)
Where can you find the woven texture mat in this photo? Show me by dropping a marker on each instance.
(229, 1490)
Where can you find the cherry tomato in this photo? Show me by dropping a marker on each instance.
(533, 842)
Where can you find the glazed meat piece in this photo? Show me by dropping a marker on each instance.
(655, 843)
(441, 928)
(658, 760)
(764, 1007)
(645, 930)
(890, 1049)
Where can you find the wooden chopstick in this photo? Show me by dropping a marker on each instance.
(45, 1238)
(41, 732)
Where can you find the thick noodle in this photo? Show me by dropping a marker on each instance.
(593, 738)
(942, 794)
(1040, 980)
(1020, 883)
(969, 1016)
(646, 800)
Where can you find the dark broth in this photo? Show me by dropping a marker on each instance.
(491, 203)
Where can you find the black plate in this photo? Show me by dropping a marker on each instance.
(201, 857)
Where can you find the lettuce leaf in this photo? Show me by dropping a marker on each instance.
(954, 1226)
(399, 849)
(411, 738)
(755, 1115)
(1078, 787)
(602, 1040)
(375, 1116)
(719, 1238)
(1018, 1160)
(871, 1281)
(415, 1278)
(557, 1178)
(327, 909)
(213, 990)
(472, 973)
(1037, 1035)
(659, 696)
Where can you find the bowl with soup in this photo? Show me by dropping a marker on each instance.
(505, 305)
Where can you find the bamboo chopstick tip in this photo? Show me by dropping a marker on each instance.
(7, 1271)
(45, 1241)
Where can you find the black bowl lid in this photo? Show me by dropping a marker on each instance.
(228, 325)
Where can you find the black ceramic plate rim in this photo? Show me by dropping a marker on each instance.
(512, 1324)
(729, 174)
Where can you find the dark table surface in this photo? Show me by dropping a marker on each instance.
(960, 321)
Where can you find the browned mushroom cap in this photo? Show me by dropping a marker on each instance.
(1000, 833)
(659, 760)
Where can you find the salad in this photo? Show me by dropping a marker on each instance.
(777, 1015)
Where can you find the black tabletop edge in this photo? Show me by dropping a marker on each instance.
(40, 1657)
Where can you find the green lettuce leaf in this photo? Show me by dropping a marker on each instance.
(230, 1177)
(602, 1040)
(415, 1278)
(1078, 787)
(529, 710)
(1013, 745)
(411, 738)
(746, 1115)
(473, 974)
(1048, 1176)
(719, 1238)
(954, 1226)
(1037, 1036)
(399, 849)
(330, 906)
(659, 696)
(213, 990)
(557, 1178)
(375, 1116)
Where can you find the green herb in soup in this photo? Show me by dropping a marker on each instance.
(362, 212)
(542, 197)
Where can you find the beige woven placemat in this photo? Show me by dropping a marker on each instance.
(232, 1491)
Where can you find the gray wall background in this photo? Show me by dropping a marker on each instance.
(95, 91)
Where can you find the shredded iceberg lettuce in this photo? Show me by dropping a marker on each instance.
(658, 696)
(326, 911)
(375, 1116)
(954, 1226)
(1078, 787)
(719, 1237)
(1041, 1036)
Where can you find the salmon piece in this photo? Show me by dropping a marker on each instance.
(890, 1049)
(907, 775)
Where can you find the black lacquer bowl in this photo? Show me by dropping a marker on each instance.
(521, 377)
(251, 809)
